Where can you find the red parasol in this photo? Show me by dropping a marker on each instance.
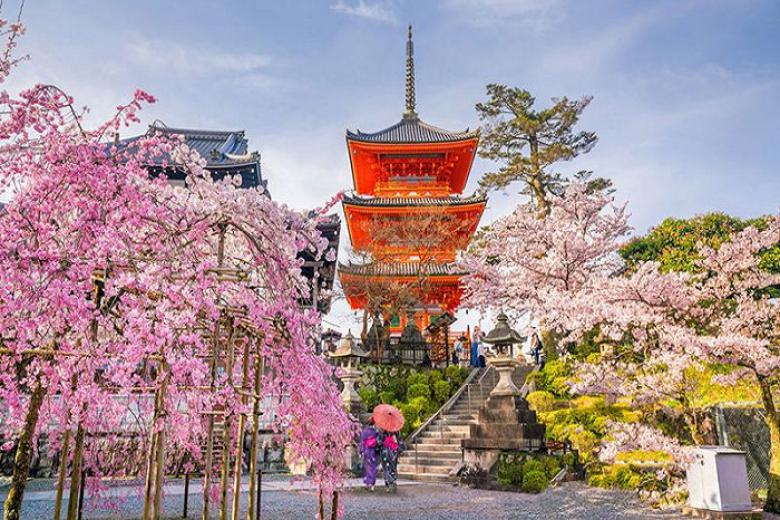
(388, 417)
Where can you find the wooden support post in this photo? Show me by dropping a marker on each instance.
(61, 474)
(226, 429)
(215, 352)
(75, 473)
(240, 437)
(24, 452)
(186, 494)
(150, 467)
(255, 430)
(259, 491)
(81, 492)
(322, 506)
(334, 508)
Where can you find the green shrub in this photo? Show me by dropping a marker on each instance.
(418, 390)
(551, 466)
(386, 397)
(534, 481)
(541, 401)
(531, 465)
(441, 392)
(568, 460)
(417, 378)
(435, 376)
(620, 476)
(457, 374)
(369, 396)
(510, 469)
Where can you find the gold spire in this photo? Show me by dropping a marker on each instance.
(410, 99)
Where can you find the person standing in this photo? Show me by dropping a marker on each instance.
(457, 350)
(481, 353)
(474, 351)
(390, 449)
(369, 451)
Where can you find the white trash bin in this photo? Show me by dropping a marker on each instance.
(717, 480)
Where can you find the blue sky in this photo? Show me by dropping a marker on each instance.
(685, 91)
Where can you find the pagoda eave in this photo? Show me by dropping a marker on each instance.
(369, 164)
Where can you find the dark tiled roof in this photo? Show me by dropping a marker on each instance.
(412, 130)
(226, 152)
(412, 201)
(401, 269)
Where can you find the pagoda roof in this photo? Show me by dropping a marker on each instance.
(402, 269)
(412, 130)
(356, 200)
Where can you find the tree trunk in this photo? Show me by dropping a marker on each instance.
(535, 181)
(13, 503)
(773, 420)
(62, 472)
(75, 473)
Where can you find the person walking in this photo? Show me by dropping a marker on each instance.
(369, 451)
(390, 449)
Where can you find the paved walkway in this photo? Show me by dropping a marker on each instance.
(283, 500)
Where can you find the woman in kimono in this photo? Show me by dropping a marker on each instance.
(369, 450)
(390, 449)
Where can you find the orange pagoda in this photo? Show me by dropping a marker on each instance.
(407, 215)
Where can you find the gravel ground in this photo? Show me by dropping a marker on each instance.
(413, 501)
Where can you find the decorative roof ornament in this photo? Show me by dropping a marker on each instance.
(410, 113)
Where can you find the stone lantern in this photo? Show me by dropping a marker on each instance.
(503, 338)
(348, 356)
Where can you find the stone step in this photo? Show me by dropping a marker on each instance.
(448, 437)
(428, 462)
(431, 454)
(453, 422)
(441, 469)
(426, 477)
(446, 448)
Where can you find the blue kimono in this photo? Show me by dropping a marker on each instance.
(474, 358)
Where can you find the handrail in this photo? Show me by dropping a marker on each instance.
(444, 408)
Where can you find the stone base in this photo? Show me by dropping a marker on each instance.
(722, 515)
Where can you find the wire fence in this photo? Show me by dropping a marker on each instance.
(746, 429)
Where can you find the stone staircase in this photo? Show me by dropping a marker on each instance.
(435, 451)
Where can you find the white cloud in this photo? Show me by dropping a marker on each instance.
(187, 60)
(536, 13)
(375, 11)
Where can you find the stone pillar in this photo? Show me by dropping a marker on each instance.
(505, 366)
(350, 376)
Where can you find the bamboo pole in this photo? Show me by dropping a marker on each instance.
(226, 429)
(240, 437)
(255, 430)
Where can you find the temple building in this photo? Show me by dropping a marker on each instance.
(227, 154)
(407, 218)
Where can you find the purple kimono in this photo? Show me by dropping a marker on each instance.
(369, 450)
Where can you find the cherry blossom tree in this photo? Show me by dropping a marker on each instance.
(129, 304)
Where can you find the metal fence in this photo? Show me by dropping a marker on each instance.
(746, 429)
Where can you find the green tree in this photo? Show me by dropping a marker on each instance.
(527, 142)
(674, 242)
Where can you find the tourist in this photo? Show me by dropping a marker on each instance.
(457, 350)
(369, 448)
(474, 351)
(481, 353)
(390, 449)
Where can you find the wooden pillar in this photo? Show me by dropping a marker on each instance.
(226, 428)
(24, 451)
(240, 436)
(61, 473)
(255, 430)
(75, 473)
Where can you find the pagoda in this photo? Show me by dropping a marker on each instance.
(407, 213)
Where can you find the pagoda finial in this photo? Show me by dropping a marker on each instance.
(410, 99)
